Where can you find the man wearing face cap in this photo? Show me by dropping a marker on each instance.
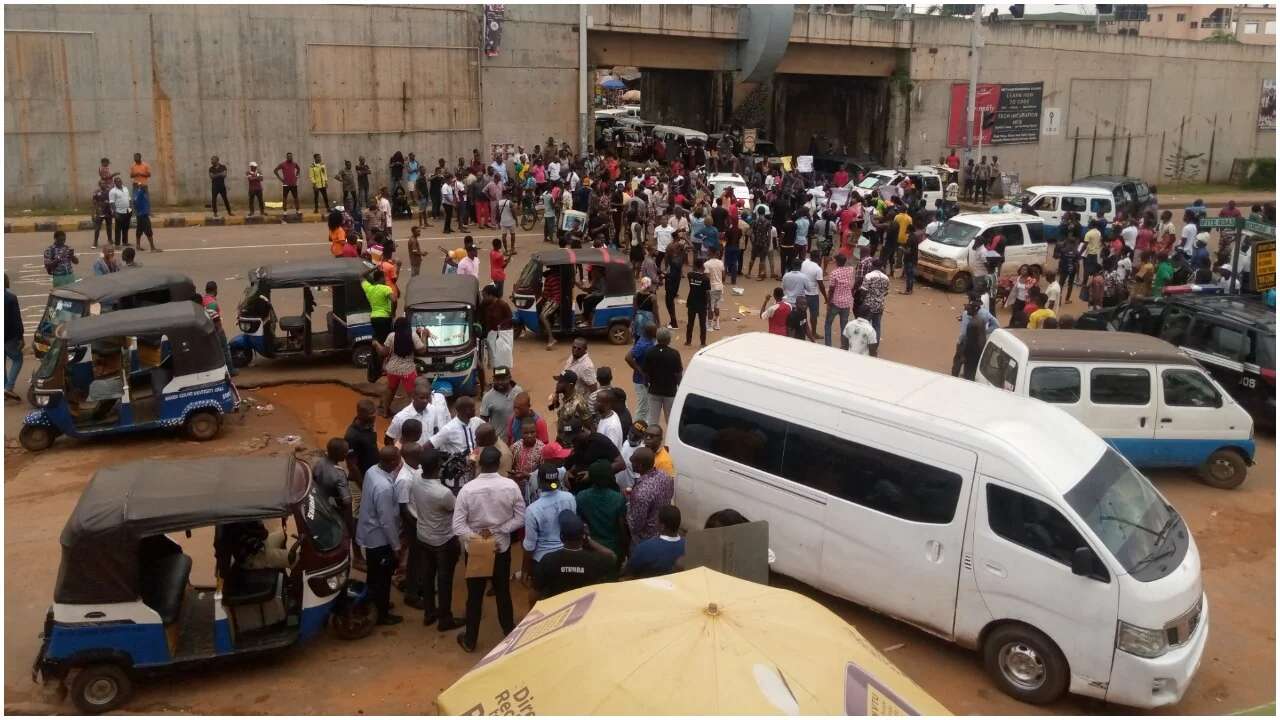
(569, 404)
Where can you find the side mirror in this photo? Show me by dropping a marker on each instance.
(1082, 562)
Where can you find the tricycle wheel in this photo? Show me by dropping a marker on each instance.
(35, 438)
(101, 688)
(527, 221)
(241, 357)
(1224, 469)
(361, 355)
(619, 333)
(354, 622)
(202, 425)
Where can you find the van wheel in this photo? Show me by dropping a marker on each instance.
(619, 334)
(1025, 664)
(361, 355)
(241, 357)
(35, 438)
(202, 425)
(101, 688)
(961, 283)
(1224, 469)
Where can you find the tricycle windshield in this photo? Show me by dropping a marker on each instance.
(49, 363)
(322, 520)
(530, 277)
(448, 328)
(58, 311)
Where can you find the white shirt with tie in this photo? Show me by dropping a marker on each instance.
(456, 437)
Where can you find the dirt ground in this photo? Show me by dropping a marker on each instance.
(402, 669)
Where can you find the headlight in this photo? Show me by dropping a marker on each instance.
(41, 400)
(333, 582)
(248, 326)
(1141, 641)
(464, 363)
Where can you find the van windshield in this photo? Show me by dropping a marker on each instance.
(1127, 514)
(955, 234)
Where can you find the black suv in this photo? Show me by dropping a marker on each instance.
(1232, 336)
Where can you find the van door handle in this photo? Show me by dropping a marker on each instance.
(1142, 421)
(1163, 420)
(933, 551)
(95, 615)
(994, 569)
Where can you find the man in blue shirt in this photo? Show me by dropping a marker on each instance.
(974, 310)
(142, 211)
(378, 530)
(658, 555)
(709, 236)
(542, 518)
(635, 360)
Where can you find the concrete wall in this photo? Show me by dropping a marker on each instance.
(182, 83)
(1150, 89)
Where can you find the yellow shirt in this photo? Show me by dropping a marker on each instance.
(662, 461)
(1036, 321)
(319, 175)
(903, 220)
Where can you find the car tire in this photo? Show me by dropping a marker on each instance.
(202, 425)
(1225, 469)
(361, 355)
(1025, 664)
(619, 333)
(36, 438)
(960, 283)
(101, 688)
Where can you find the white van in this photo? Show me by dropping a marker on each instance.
(928, 180)
(944, 256)
(988, 519)
(672, 133)
(1052, 201)
(1149, 400)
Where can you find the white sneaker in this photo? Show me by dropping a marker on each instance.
(717, 325)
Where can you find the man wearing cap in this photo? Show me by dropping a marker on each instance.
(498, 404)
(578, 563)
(426, 406)
(542, 517)
(567, 402)
(488, 506)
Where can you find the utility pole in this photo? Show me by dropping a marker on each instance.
(584, 98)
(975, 44)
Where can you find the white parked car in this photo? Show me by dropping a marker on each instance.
(719, 182)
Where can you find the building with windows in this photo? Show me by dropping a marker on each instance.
(1249, 24)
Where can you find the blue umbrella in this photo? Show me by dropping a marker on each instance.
(612, 83)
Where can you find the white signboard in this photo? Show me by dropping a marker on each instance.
(1052, 121)
(804, 163)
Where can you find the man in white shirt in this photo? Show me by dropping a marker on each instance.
(384, 207)
(1189, 232)
(459, 434)
(574, 180)
(553, 171)
(714, 268)
(490, 506)
(432, 504)
(794, 284)
(470, 265)
(608, 423)
(1130, 235)
(811, 268)
(664, 234)
(861, 335)
(426, 406)
(122, 206)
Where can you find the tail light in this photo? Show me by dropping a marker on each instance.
(1269, 376)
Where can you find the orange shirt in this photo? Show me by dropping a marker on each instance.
(337, 238)
(392, 273)
(140, 173)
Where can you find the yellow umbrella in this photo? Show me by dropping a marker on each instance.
(693, 643)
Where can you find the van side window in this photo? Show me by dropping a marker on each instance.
(1055, 384)
(1099, 206)
(1189, 388)
(1035, 525)
(1036, 232)
(1073, 204)
(1119, 386)
(733, 433)
(932, 183)
(1219, 340)
(1012, 234)
(866, 476)
(1047, 203)
(998, 367)
(1177, 321)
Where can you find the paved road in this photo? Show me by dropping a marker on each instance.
(1235, 530)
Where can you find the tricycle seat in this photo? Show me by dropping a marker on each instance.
(250, 587)
(294, 323)
(164, 584)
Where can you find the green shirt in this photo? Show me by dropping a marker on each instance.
(1164, 273)
(602, 511)
(380, 299)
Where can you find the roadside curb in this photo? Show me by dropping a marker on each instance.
(69, 224)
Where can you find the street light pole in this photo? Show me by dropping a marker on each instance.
(584, 101)
(975, 45)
